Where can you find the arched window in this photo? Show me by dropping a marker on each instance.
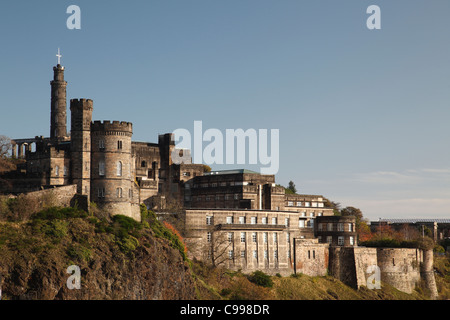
(119, 192)
(119, 168)
(101, 168)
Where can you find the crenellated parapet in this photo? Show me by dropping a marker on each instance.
(112, 128)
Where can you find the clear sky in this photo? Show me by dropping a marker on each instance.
(363, 114)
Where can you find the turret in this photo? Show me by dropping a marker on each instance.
(58, 116)
(81, 118)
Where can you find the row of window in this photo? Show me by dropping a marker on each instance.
(264, 220)
(101, 145)
(119, 193)
(220, 184)
(340, 240)
(335, 226)
(243, 220)
(305, 204)
(255, 254)
(66, 171)
(254, 237)
(220, 197)
(101, 168)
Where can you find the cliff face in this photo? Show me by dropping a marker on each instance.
(34, 257)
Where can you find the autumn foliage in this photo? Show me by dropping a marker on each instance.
(176, 233)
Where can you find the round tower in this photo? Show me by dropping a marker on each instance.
(81, 118)
(111, 178)
(58, 116)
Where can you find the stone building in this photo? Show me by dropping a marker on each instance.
(238, 218)
(336, 230)
(100, 158)
(244, 238)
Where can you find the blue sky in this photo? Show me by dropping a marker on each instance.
(363, 114)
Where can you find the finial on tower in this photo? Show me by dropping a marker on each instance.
(59, 57)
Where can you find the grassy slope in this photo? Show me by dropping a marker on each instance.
(224, 284)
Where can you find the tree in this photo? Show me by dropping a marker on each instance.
(291, 189)
(6, 163)
(361, 224)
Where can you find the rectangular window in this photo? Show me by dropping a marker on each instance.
(254, 237)
(275, 254)
(274, 220)
(242, 220)
(229, 220)
(230, 254)
(320, 227)
(242, 253)
(275, 237)
(236, 196)
(352, 240)
(264, 220)
(266, 256)
(101, 168)
(119, 145)
(255, 254)
(307, 204)
(209, 220)
(101, 144)
(288, 236)
(243, 236)
(299, 204)
(340, 227)
(350, 229)
(329, 226)
(101, 192)
(290, 203)
(329, 239)
(301, 223)
(209, 236)
(286, 222)
(253, 220)
(230, 236)
(340, 241)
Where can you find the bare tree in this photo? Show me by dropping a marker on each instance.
(5, 146)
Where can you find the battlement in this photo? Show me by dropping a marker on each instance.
(81, 103)
(116, 126)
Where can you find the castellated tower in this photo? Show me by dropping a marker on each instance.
(58, 116)
(81, 118)
(112, 179)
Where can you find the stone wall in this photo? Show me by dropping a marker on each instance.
(310, 257)
(399, 267)
(63, 196)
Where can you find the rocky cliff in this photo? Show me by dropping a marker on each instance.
(118, 260)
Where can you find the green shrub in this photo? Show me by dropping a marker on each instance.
(261, 279)
(79, 252)
(59, 213)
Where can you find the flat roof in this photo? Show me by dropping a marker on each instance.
(232, 171)
(413, 220)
